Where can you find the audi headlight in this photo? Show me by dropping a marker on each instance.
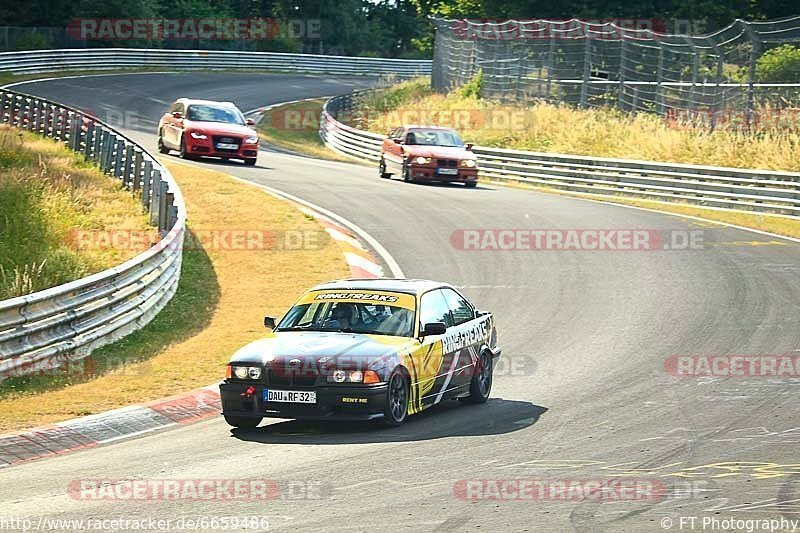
(247, 372)
(422, 160)
(198, 135)
(469, 163)
(251, 140)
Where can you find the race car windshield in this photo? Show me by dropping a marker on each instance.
(433, 137)
(348, 317)
(209, 113)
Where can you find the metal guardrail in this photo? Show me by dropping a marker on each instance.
(46, 329)
(761, 191)
(121, 58)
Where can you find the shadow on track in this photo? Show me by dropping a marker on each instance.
(448, 419)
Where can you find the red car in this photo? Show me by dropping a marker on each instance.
(206, 128)
(429, 153)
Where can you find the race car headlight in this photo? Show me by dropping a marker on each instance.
(251, 140)
(353, 376)
(198, 135)
(422, 160)
(469, 163)
(247, 372)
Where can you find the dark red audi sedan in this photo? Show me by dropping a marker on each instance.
(428, 153)
(205, 128)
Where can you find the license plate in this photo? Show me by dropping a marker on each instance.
(290, 396)
(227, 146)
(448, 171)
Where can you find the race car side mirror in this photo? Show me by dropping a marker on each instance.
(250, 122)
(481, 312)
(176, 114)
(269, 322)
(469, 146)
(434, 328)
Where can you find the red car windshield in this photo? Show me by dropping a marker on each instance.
(433, 137)
(209, 113)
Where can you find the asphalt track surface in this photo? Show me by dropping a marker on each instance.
(586, 395)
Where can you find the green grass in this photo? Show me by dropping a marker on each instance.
(47, 192)
(187, 313)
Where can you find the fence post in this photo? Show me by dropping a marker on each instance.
(551, 53)
(621, 88)
(756, 48)
(660, 81)
(587, 70)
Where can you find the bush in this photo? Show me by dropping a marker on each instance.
(779, 65)
(472, 89)
(32, 41)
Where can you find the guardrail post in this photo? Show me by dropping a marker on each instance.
(98, 135)
(147, 175)
(154, 197)
(126, 173)
(105, 151)
(137, 171)
(62, 124)
(74, 128)
(3, 103)
(89, 140)
(162, 206)
(120, 147)
(41, 117)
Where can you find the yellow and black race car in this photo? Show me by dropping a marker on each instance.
(361, 350)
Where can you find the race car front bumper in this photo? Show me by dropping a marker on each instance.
(363, 402)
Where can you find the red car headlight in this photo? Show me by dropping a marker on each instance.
(251, 140)
(420, 160)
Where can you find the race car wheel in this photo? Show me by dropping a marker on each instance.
(250, 162)
(481, 384)
(407, 174)
(382, 169)
(184, 152)
(396, 408)
(161, 147)
(242, 422)
(471, 184)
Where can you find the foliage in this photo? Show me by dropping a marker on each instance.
(779, 65)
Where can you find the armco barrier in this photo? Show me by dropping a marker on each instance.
(45, 329)
(720, 187)
(122, 58)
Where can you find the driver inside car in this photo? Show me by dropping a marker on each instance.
(345, 316)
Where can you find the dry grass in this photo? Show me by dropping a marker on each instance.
(592, 132)
(294, 127)
(247, 283)
(47, 193)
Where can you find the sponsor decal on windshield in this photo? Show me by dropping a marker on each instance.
(367, 297)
